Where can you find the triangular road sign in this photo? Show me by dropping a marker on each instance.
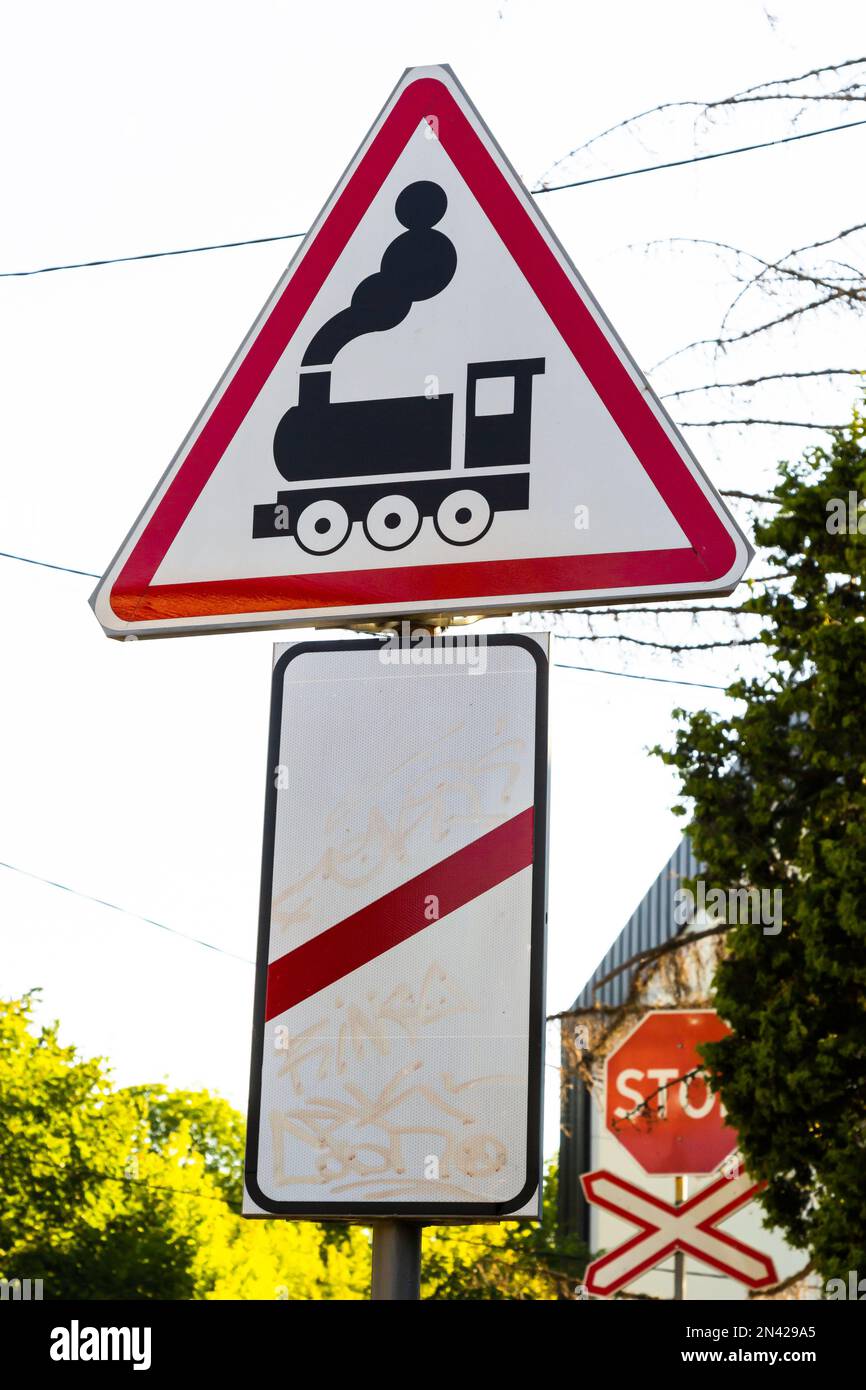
(430, 415)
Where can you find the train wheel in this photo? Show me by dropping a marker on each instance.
(463, 517)
(392, 522)
(322, 527)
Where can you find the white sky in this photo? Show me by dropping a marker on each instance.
(135, 771)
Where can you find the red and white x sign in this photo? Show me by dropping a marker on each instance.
(691, 1227)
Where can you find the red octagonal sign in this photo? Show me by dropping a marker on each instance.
(667, 1123)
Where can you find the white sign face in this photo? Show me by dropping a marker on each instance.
(398, 1033)
(430, 415)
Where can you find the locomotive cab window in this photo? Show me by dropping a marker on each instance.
(494, 395)
(499, 412)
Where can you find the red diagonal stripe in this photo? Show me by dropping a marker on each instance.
(349, 944)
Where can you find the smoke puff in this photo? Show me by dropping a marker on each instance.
(417, 265)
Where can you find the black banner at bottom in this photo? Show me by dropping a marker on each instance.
(83, 1340)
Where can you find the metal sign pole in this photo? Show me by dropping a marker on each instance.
(396, 1260)
(679, 1257)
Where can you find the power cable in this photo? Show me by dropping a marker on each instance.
(143, 1182)
(150, 255)
(44, 564)
(149, 921)
(697, 159)
(535, 193)
(596, 670)
(637, 676)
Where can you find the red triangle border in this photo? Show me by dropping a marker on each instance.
(712, 551)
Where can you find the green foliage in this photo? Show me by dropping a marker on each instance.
(512, 1260)
(134, 1193)
(216, 1131)
(779, 796)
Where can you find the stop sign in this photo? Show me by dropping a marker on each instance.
(669, 1125)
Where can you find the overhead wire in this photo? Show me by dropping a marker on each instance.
(45, 564)
(289, 236)
(567, 666)
(535, 193)
(115, 907)
(698, 158)
(292, 236)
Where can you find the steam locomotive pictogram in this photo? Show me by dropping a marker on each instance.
(371, 461)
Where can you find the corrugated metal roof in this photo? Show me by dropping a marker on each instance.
(651, 924)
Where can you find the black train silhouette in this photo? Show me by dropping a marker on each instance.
(361, 440)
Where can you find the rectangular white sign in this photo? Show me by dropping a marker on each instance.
(398, 1033)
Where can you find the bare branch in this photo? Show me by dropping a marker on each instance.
(751, 497)
(782, 424)
(828, 241)
(803, 77)
(700, 241)
(853, 291)
(619, 125)
(644, 1105)
(663, 646)
(653, 952)
(780, 268)
(834, 295)
(821, 282)
(760, 381)
(615, 611)
(594, 1011)
(855, 91)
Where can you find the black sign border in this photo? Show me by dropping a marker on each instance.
(431, 1211)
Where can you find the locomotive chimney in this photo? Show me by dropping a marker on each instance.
(314, 389)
